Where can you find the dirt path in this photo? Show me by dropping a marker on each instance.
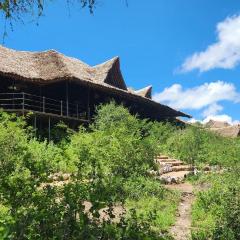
(182, 228)
(173, 173)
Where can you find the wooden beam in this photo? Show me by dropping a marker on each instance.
(40, 92)
(88, 104)
(49, 128)
(67, 97)
(35, 125)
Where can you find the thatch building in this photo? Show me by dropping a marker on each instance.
(50, 84)
(223, 128)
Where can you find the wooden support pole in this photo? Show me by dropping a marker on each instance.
(35, 125)
(13, 101)
(77, 110)
(49, 128)
(23, 102)
(88, 104)
(61, 107)
(44, 104)
(40, 92)
(67, 98)
(13, 89)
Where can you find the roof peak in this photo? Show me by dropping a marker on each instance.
(110, 62)
(145, 92)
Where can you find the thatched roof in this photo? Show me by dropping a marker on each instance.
(51, 66)
(216, 124)
(144, 92)
(230, 131)
(223, 128)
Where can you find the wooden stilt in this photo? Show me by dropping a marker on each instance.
(67, 98)
(35, 125)
(49, 129)
(88, 104)
(40, 92)
(23, 103)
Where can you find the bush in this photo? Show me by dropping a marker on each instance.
(199, 146)
(216, 213)
(108, 164)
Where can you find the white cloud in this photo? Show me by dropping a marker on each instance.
(193, 120)
(221, 118)
(200, 97)
(212, 110)
(224, 53)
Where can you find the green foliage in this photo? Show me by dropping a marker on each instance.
(16, 9)
(216, 213)
(158, 134)
(108, 165)
(6, 220)
(150, 198)
(198, 146)
(143, 187)
(60, 134)
(159, 213)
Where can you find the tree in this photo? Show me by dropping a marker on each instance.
(15, 9)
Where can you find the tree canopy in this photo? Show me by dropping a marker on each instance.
(15, 9)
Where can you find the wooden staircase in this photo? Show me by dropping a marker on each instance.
(171, 171)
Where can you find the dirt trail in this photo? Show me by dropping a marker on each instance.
(182, 228)
(173, 173)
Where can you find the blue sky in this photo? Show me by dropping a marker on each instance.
(189, 50)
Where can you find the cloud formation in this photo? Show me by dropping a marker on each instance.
(224, 53)
(221, 118)
(205, 96)
(212, 110)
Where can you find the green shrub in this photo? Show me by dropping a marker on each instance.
(216, 212)
(198, 146)
(108, 164)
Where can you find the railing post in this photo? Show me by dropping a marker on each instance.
(88, 113)
(35, 125)
(77, 110)
(23, 102)
(88, 104)
(61, 107)
(44, 104)
(49, 129)
(13, 101)
(67, 107)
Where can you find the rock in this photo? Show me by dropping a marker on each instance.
(65, 176)
(152, 173)
(206, 168)
(55, 178)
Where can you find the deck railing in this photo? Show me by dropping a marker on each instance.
(29, 102)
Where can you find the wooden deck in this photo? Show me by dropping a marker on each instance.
(23, 103)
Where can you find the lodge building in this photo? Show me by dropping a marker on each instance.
(56, 87)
